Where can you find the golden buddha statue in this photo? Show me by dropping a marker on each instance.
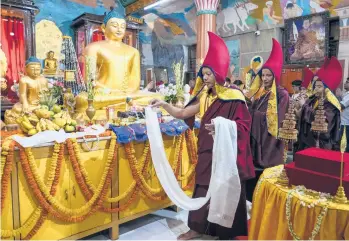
(3, 69)
(50, 64)
(117, 70)
(30, 86)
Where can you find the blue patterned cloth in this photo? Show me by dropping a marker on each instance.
(138, 132)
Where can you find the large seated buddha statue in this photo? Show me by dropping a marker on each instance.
(30, 86)
(117, 70)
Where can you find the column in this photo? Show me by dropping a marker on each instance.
(205, 21)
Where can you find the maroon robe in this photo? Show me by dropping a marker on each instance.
(307, 138)
(237, 111)
(267, 151)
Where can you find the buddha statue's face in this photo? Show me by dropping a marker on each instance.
(51, 55)
(115, 29)
(33, 70)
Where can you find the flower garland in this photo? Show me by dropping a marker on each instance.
(53, 187)
(318, 219)
(153, 193)
(43, 201)
(193, 157)
(87, 187)
(37, 216)
(6, 168)
(47, 202)
(143, 166)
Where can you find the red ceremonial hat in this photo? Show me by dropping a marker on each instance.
(332, 74)
(308, 77)
(275, 61)
(217, 58)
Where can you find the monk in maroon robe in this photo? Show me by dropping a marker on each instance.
(268, 108)
(268, 103)
(322, 85)
(267, 150)
(212, 100)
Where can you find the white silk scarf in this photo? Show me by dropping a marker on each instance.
(224, 189)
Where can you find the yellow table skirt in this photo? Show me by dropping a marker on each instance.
(269, 215)
(131, 189)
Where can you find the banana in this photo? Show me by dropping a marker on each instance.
(58, 115)
(27, 125)
(50, 125)
(25, 119)
(38, 127)
(43, 124)
(19, 120)
(33, 119)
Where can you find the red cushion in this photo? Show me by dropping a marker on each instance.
(314, 180)
(323, 161)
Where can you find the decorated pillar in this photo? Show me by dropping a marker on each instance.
(205, 21)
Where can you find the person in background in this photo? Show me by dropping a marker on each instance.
(268, 105)
(239, 84)
(345, 112)
(326, 82)
(339, 94)
(192, 85)
(227, 82)
(296, 86)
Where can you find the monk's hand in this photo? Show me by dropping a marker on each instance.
(157, 103)
(210, 128)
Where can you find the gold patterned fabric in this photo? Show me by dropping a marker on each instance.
(223, 93)
(280, 213)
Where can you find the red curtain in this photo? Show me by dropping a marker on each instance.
(12, 43)
(97, 36)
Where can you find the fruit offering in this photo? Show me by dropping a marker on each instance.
(43, 119)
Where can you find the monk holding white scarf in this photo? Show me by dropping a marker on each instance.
(211, 99)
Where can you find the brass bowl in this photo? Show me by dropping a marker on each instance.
(12, 127)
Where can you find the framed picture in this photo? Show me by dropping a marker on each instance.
(293, 70)
(161, 75)
(306, 38)
(283, 71)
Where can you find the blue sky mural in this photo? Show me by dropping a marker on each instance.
(62, 12)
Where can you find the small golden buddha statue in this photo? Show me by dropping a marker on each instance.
(3, 70)
(50, 64)
(30, 86)
(117, 70)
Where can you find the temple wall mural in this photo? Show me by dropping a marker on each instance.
(167, 31)
(62, 12)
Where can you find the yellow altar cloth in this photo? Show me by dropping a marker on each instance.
(269, 215)
(133, 190)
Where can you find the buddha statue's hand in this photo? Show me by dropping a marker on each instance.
(25, 107)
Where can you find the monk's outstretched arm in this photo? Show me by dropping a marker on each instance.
(182, 114)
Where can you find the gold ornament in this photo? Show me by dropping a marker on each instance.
(340, 195)
(288, 134)
(319, 125)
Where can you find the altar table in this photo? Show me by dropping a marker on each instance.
(133, 184)
(273, 204)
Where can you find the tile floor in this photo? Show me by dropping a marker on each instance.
(161, 225)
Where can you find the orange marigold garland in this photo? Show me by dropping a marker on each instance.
(7, 168)
(37, 215)
(136, 173)
(60, 208)
(46, 205)
(53, 191)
